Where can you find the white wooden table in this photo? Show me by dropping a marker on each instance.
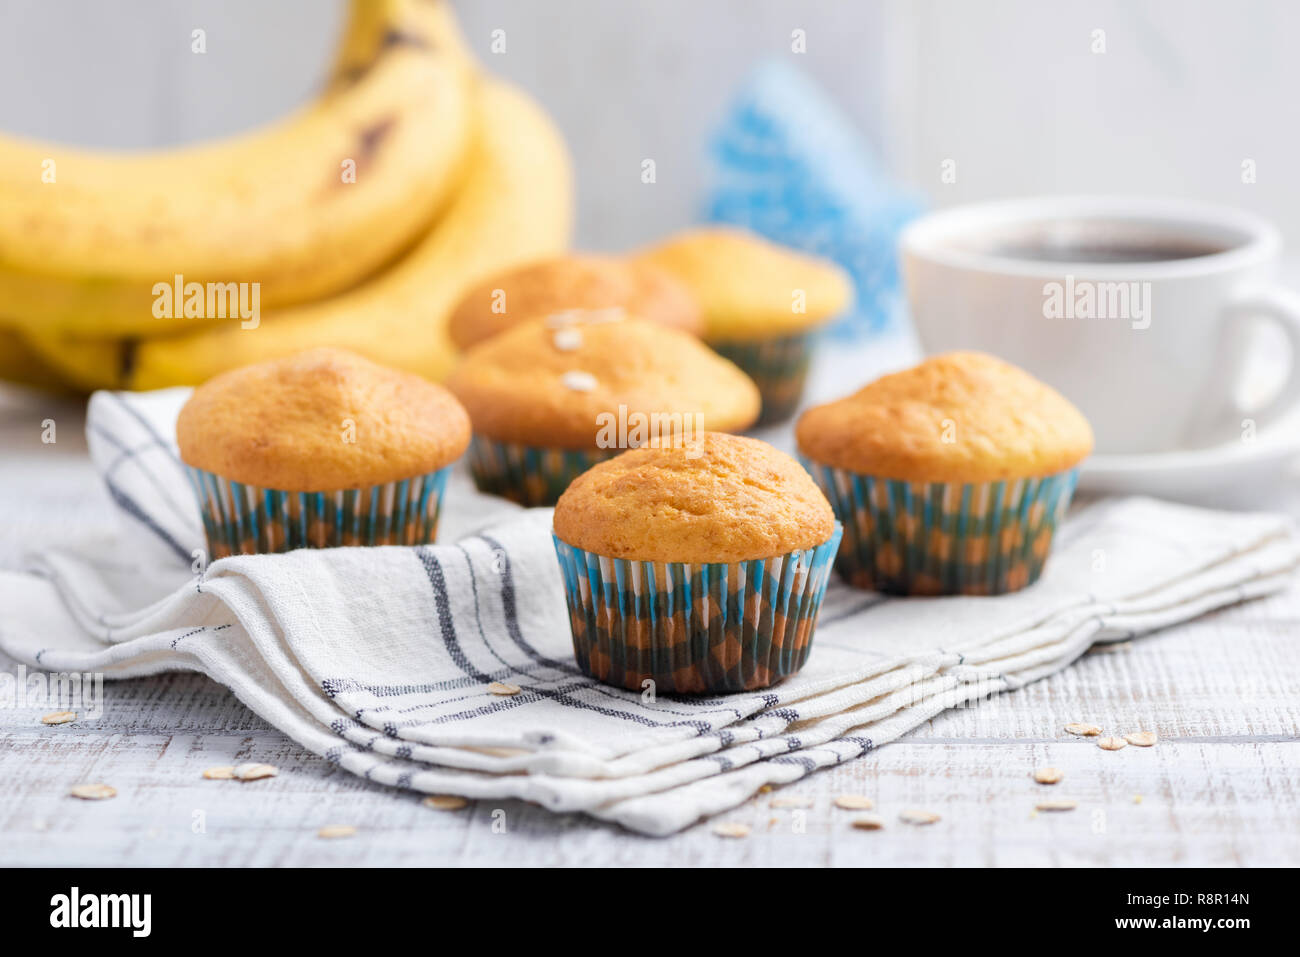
(1221, 788)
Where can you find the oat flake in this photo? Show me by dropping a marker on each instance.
(558, 320)
(578, 381)
(868, 822)
(59, 717)
(336, 831)
(444, 802)
(1082, 729)
(790, 802)
(854, 802)
(255, 772)
(1064, 804)
(913, 816)
(731, 829)
(1048, 775)
(567, 339)
(93, 792)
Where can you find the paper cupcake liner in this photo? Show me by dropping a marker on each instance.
(526, 474)
(693, 628)
(779, 367)
(944, 538)
(248, 520)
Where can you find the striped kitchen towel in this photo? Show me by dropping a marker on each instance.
(384, 660)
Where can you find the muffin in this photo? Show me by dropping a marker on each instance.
(762, 304)
(575, 281)
(697, 564)
(553, 397)
(316, 450)
(949, 477)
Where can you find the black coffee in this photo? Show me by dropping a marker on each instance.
(1105, 252)
(1095, 242)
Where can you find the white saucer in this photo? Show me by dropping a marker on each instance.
(1223, 474)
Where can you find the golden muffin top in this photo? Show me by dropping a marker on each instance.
(574, 281)
(960, 417)
(750, 288)
(560, 382)
(711, 498)
(320, 421)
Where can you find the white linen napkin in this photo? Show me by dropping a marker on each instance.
(380, 659)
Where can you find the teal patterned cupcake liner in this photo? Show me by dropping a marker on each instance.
(244, 519)
(527, 474)
(779, 367)
(694, 628)
(944, 538)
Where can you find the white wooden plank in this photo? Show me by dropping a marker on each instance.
(1221, 786)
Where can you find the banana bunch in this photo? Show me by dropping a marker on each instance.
(356, 223)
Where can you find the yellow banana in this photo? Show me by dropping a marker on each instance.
(363, 36)
(303, 208)
(21, 364)
(515, 204)
(83, 364)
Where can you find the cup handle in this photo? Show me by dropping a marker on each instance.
(1282, 306)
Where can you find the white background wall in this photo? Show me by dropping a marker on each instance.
(1009, 90)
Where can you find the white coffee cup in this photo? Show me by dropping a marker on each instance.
(1153, 352)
